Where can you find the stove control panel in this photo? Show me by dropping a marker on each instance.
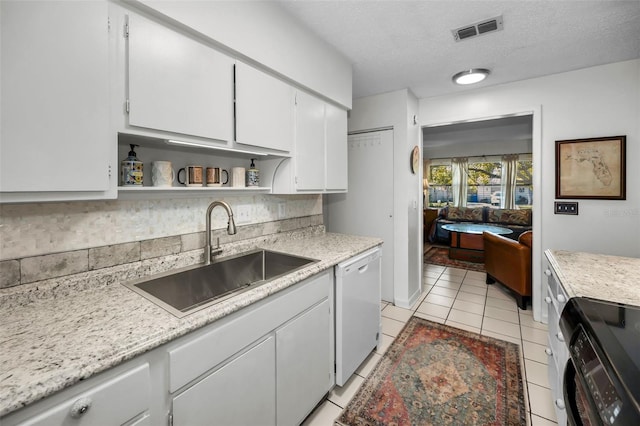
(599, 384)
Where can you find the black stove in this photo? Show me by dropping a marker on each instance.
(602, 380)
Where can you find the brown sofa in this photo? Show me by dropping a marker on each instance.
(509, 263)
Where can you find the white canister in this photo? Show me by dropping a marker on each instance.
(237, 177)
(162, 173)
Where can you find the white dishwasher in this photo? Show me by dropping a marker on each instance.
(357, 311)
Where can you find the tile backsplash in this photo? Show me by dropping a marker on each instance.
(38, 241)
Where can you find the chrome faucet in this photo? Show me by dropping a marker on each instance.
(209, 252)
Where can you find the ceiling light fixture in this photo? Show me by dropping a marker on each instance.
(471, 76)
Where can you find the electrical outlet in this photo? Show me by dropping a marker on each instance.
(566, 207)
(282, 210)
(242, 214)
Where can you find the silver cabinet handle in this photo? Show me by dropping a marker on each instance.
(80, 407)
(560, 336)
(547, 300)
(560, 403)
(547, 272)
(548, 351)
(561, 298)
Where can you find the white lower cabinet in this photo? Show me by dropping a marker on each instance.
(303, 363)
(266, 364)
(113, 398)
(276, 378)
(556, 299)
(242, 392)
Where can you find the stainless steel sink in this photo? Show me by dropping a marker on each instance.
(189, 289)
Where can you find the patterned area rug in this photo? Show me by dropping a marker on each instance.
(440, 256)
(434, 374)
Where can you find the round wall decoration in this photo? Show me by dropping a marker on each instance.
(415, 159)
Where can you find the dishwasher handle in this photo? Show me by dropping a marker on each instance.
(358, 263)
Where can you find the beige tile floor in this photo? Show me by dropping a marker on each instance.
(460, 298)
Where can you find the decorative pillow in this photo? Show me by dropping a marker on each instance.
(509, 216)
(464, 214)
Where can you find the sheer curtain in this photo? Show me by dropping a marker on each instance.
(459, 173)
(508, 181)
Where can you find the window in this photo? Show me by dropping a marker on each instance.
(484, 176)
(440, 179)
(524, 183)
(483, 181)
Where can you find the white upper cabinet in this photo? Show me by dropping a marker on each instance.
(264, 109)
(336, 148)
(176, 83)
(54, 135)
(309, 156)
(319, 163)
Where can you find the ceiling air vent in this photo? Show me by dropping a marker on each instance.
(479, 28)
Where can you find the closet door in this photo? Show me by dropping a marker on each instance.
(367, 208)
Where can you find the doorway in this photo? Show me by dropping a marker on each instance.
(534, 115)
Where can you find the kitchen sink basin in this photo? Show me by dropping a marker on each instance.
(189, 289)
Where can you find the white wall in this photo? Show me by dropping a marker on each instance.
(477, 149)
(592, 102)
(265, 33)
(396, 109)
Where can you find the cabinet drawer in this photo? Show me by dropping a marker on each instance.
(198, 354)
(113, 402)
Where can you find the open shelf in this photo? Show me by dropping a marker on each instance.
(136, 192)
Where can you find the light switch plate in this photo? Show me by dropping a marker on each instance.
(566, 207)
(242, 214)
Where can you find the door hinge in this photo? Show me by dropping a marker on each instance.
(109, 171)
(335, 368)
(126, 30)
(127, 106)
(170, 420)
(108, 24)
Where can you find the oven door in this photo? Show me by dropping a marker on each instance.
(580, 407)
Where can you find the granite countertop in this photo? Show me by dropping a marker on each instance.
(598, 276)
(59, 334)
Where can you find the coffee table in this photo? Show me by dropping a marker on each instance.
(466, 240)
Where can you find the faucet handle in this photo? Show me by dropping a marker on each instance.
(216, 250)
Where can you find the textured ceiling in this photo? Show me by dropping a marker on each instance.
(408, 44)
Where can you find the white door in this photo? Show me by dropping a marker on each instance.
(309, 142)
(178, 84)
(264, 109)
(304, 361)
(367, 208)
(243, 392)
(336, 148)
(54, 109)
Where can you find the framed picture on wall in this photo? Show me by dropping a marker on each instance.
(592, 168)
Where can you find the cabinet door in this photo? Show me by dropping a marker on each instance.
(336, 148)
(309, 142)
(264, 109)
(304, 364)
(113, 402)
(240, 393)
(178, 84)
(54, 126)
